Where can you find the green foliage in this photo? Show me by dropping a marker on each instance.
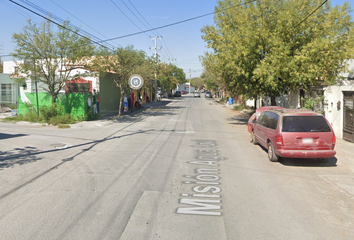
(311, 102)
(61, 120)
(240, 107)
(169, 76)
(53, 115)
(30, 116)
(198, 83)
(48, 112)
(10, 105)
(260, 48)
(49, 52)
(210, 79)
(63, 126)
(121, 63)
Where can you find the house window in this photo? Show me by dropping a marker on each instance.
(78, 88)
(6, 94)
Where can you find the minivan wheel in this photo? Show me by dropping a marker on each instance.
(271, 154)
(254, 139)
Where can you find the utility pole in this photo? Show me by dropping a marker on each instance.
(156, 65)
(190, 74)
(172, 59)
(0, 58)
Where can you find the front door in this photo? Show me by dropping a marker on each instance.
(348, 118)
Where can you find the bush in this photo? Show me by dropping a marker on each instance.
(49, 112)
(238, 108)
(52, 115)
(61, 119)
(32, 116)
(63, 126)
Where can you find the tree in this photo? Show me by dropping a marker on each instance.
(121, 63)
(270, 47)
(170, 75)
(50, 53)
(211, 75)
(197, 82)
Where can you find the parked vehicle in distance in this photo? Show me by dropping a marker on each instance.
(177, 94)
(202, 91)
(208, 95)
(294, 133)
(197, 94)
(183, 92)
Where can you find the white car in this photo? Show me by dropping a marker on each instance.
(196, 94)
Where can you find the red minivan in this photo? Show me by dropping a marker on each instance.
(294, 133)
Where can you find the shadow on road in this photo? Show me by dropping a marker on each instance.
(155, 109)
(18, 156)
(304, 162)
(307, 162)
(7, 136)
(238, 120)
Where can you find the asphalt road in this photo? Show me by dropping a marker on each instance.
(183, 169)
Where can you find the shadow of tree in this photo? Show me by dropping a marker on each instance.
(7, 136)
(238, 120)
(18, 156)
(162, 109)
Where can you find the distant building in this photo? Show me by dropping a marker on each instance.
(185, 88)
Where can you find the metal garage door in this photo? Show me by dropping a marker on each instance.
(348, 120)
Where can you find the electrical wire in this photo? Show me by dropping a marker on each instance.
(163, 41)
(79, 19)
(171, 24)
(311, 14)
(132, 20)
(128, 19)
(34, 6)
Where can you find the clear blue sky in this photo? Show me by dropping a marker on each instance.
(104, 19)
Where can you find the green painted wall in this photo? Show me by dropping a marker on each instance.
(44, 99)
(76, 103)
(73, 103)
(109, 94)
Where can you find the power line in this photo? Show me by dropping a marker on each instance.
(60, 25)
(171, 24)
(128, 19)
(17, 10)
(133, 13)
(78, 19)
(163, 41)
(310, 14)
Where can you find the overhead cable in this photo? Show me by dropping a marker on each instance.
(171, 24)
(311, 14)
(50, 20)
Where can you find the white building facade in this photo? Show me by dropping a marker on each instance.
(339, 101)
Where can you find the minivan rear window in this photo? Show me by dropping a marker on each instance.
(305, 124)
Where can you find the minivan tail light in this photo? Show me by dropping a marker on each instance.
(333, 140)
(279, 140)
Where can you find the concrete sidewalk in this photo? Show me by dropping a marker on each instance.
(104, 119)
(110, 118)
